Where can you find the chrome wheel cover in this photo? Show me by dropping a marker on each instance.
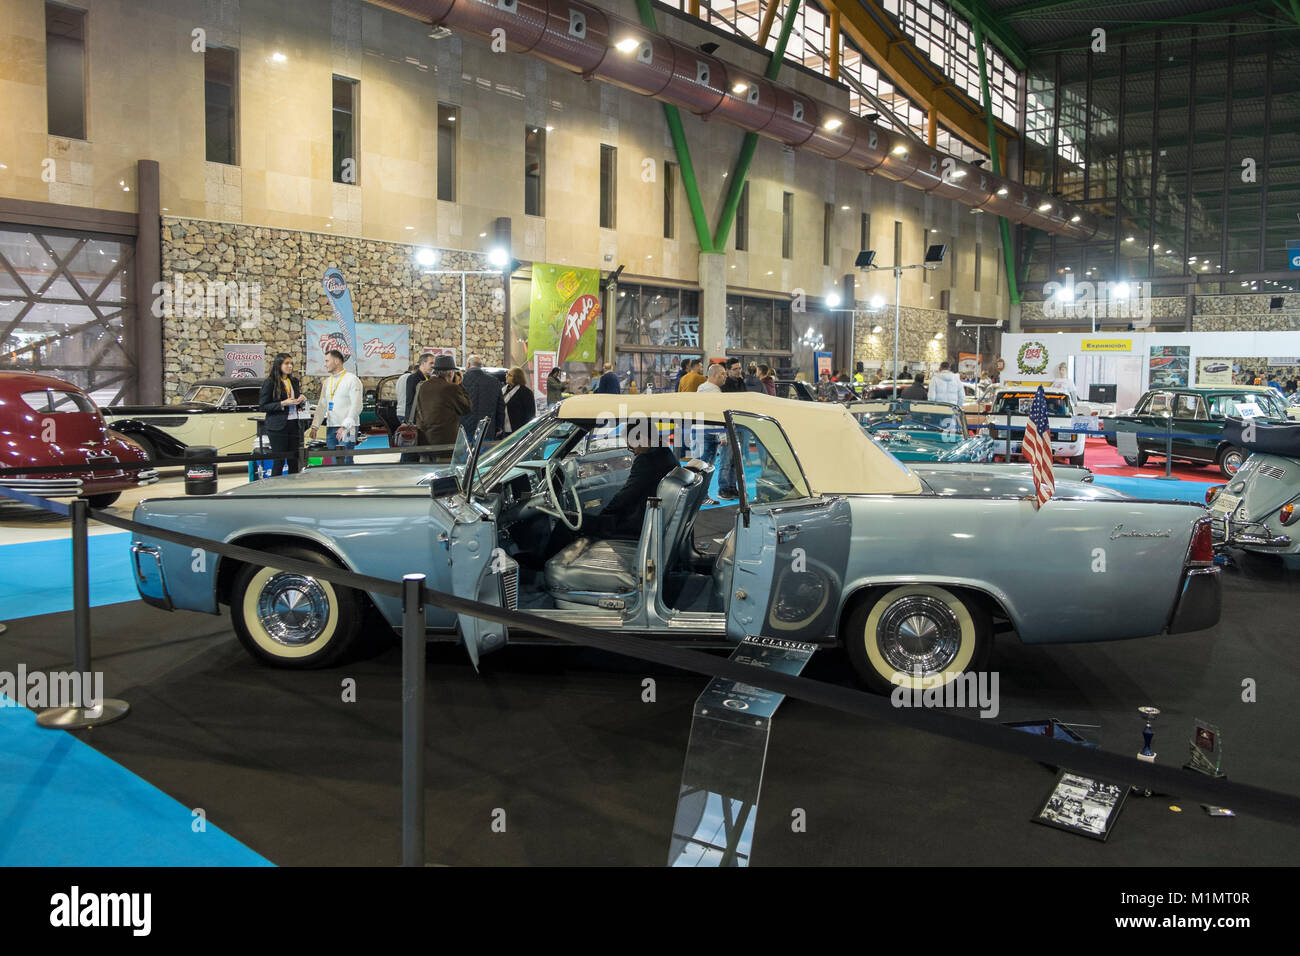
(919, 632)
(1232, 462)
(293, 609)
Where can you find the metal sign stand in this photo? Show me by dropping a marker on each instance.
(717, 805)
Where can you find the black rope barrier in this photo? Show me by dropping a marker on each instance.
(1268, 804)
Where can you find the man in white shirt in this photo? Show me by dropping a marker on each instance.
(339, 406)
(708, 439)
(946, 387)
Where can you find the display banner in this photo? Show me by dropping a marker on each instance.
(245, 360)
(336, 287)
(1106, 345)
(1284, 361)
(543, 362)
(1212, 371)
(822, 363)
(1168, 365)
(384, 349)
(433, 350)
(564, 312)
(968, 363)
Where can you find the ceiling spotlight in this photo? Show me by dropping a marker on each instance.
(833, 124)
(498, 257)
(877, 302)
(876, 329)
(833, 300)
(278, 57)
(627, 44)
(549, 128)
(1002, 190)
(426, 257)
(1044, 206)
(844, 208)
(1129, 238)
(739, 87)
(899, 150)
(1075, 218)
(864, 259)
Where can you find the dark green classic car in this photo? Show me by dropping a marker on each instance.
(1195, 415)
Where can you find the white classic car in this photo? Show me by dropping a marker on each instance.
(218, 412)
(1011, 411)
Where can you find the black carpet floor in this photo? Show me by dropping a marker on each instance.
(559, 743)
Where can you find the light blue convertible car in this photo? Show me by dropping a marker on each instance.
(833, 541)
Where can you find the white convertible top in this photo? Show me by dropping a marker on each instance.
(836, 455)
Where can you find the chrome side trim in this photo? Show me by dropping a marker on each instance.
(161, 599)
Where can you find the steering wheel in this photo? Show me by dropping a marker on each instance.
(557, 483)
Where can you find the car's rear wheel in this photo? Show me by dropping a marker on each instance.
(294, 620)
(1136, 461)
(1230, 460)
(916, 636)
(103, 501)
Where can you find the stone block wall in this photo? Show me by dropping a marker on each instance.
(917, 328)
(284, 268)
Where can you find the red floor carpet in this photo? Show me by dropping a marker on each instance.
(1104, 459)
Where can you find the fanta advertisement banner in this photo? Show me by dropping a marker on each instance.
(381, 349)
(246, 361)
(564, 312)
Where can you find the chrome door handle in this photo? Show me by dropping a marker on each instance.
(788, 532)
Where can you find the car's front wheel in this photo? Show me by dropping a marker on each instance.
(1136, 461)
(1231, 458)
(294, 620)
(916, 636)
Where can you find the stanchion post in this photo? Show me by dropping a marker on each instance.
(413, 649)
(109, 709)
(1169, 450)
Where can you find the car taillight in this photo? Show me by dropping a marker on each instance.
(1287, 514)
(1211, 493)
(1201, 550)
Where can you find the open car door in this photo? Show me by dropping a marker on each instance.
(791, 546)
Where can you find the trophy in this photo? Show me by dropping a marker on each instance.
(1149, 714)
(1206, 748)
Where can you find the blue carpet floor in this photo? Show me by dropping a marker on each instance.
(65, 804)
(36, 578)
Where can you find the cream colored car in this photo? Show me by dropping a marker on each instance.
(221, 413)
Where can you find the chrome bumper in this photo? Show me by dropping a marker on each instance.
(146, 562)
(1247, 534)
(1198, 604)
(46, 487)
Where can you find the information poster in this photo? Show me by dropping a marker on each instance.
(543, 362)
(1169, 365)
(564, 311)
(245, 360)
(822, 363)
(1212, 371)
(968, 363)
(381, 350)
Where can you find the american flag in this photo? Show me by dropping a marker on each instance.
(1038, 449)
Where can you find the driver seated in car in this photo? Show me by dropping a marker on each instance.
(625, 513)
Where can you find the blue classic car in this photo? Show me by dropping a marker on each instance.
(922, 431)
(833, 541)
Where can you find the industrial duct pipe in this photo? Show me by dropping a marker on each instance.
(584, 39)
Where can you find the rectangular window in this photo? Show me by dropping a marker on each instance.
(534, 171)
(787, 225)
(608, 186)
(448, 136)
(828, 220)
(65, 71)
(742, 219)
(344, 118)
(977, 266)
(221, 104)
(898, 243)
(670, 204)
(864, 238)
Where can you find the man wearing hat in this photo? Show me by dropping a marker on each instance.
(439, 404)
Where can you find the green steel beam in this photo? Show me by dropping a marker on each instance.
(1000, 35)
(1008, 254)
(1075, 43)
(750, 144)
(683, 149)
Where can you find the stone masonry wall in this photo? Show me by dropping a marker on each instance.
(917, 328)
(284, 267)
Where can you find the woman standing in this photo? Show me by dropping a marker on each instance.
(283, 401)
(554, 386)
(520, 404)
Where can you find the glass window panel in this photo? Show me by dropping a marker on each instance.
(221, 104)
(65, 71)
(448, 135)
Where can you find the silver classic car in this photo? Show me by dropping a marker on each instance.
(832, 541)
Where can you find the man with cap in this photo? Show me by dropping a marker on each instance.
(439, 404)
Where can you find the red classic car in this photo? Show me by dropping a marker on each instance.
(46, 422)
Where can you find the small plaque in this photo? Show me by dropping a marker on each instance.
(1082, 805)
(1206, 748)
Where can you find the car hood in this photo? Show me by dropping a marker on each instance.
(346, 480)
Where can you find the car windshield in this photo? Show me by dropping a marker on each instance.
(205, 395)
(534, 443)
(927, 416)
(1017, 403)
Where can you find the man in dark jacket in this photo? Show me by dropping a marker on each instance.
(413, 381)
(608, 384)
(735, 381)
(917, 389)
(623, 516)
(485, 400)
(752, 382)
(439, 404)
